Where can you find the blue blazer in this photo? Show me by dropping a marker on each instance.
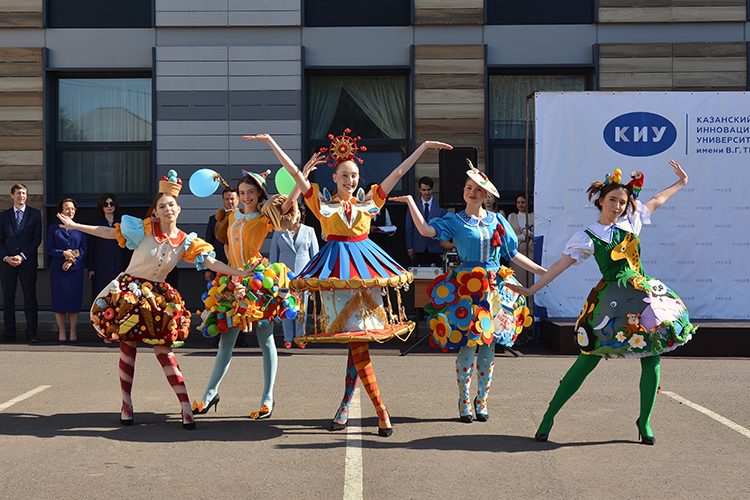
(26, 240)
(414, 240)
(60, 239)
(295, 254)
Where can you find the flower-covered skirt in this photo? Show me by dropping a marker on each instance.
(622, 320)
(135, 309)
(470, 306)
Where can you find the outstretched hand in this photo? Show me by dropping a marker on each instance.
(678, 171)
(518, 289)
(401, 199)
(312, 164)
(259, 137)
(67, 222)
(437, 145)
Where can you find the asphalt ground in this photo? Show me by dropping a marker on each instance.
(60, 435)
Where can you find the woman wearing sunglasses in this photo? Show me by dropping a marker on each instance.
(105, 259)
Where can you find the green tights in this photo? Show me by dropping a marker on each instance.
(585, 364)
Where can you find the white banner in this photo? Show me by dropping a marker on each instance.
(699, 241)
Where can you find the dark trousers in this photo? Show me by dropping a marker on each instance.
(426, 259)
(9, 276)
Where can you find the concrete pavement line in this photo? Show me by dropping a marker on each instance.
(353, 465)
(732, 425)
(20, 398)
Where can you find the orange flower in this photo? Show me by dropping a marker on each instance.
(522, 318)
(473, 283)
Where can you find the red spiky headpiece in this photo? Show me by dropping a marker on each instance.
(343, 148)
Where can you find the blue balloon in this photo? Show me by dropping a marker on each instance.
(202, 183)
(291, 313)
(258, 276)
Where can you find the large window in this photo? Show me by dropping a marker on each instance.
(328, 13)
(510, 12)
(99, 13)
(507, 126)
(103, 138)
(374, 108)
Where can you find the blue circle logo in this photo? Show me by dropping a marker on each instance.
(640, 134)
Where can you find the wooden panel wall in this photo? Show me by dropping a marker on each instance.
(671, 11)
(21, 13)
(449, 102)
(448, 12)
(21, 125)
(673, 66)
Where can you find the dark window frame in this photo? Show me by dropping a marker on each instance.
(404, 146)
(507, 196)
(409, 19)
(55, 147)
(47, 16)
(489, 15)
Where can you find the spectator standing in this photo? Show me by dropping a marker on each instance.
(295, 248)
(20, 237)
(523, 224)
(421, 250)
(67, 249)
(104, 258)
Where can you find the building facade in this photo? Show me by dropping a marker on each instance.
(108, 95)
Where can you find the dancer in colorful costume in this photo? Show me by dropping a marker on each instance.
(470, 309)
(244, 232)
(139, 305)
(351, 273)
(627, 314)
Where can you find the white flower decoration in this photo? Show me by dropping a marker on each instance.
(637, 342)
(621, 336)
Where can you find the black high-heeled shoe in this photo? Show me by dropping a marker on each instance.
(214, 402)
(541, 438)
(186, 426)
(385, 431)
(465, 418)
(649, 440)
(126, 421)
(481, 417)
(335, 426)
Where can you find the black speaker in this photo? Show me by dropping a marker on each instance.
(453, 169)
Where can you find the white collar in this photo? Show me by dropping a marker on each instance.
(428, 201)
(605, 233)
(22, 209)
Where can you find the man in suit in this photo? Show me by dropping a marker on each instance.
(423, 251)
(231, 200)
(20, 237)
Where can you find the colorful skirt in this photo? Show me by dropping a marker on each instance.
(470, 306)
(352, 280)
(135, 309)
(620, 320)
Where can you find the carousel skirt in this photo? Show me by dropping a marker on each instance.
(346, 260)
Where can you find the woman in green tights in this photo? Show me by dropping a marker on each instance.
(627, 314)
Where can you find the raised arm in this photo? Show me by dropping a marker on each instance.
(424, 229)
(108, 233)
(392, 179)
(286, 162)
(312, 164)
(219, 267)
(553, 272)
(660, 198)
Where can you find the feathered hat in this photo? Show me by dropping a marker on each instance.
(342, 148)
(170, 184)
(259, 178)
(480, 178)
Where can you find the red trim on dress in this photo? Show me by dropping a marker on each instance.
(333, 237)
(160, 237)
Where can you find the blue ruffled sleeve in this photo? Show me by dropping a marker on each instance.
(445, 226)
(196, 251)
(509, 248)
(132, 229)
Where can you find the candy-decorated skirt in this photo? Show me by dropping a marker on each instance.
(470, 306)
(135, 309)
(620, 319)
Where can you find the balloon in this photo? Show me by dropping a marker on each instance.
(267, 282)
(256, 285)
(210, 302)
(269, 273)
(284, 181)
(258, 276)
(213, 330)
(202, 183)
(224, 280)
(291, 313)
(276, 267)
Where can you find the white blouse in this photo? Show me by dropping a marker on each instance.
(581, 246)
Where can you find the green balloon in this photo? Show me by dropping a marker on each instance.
(284, 181)
(213, 330)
